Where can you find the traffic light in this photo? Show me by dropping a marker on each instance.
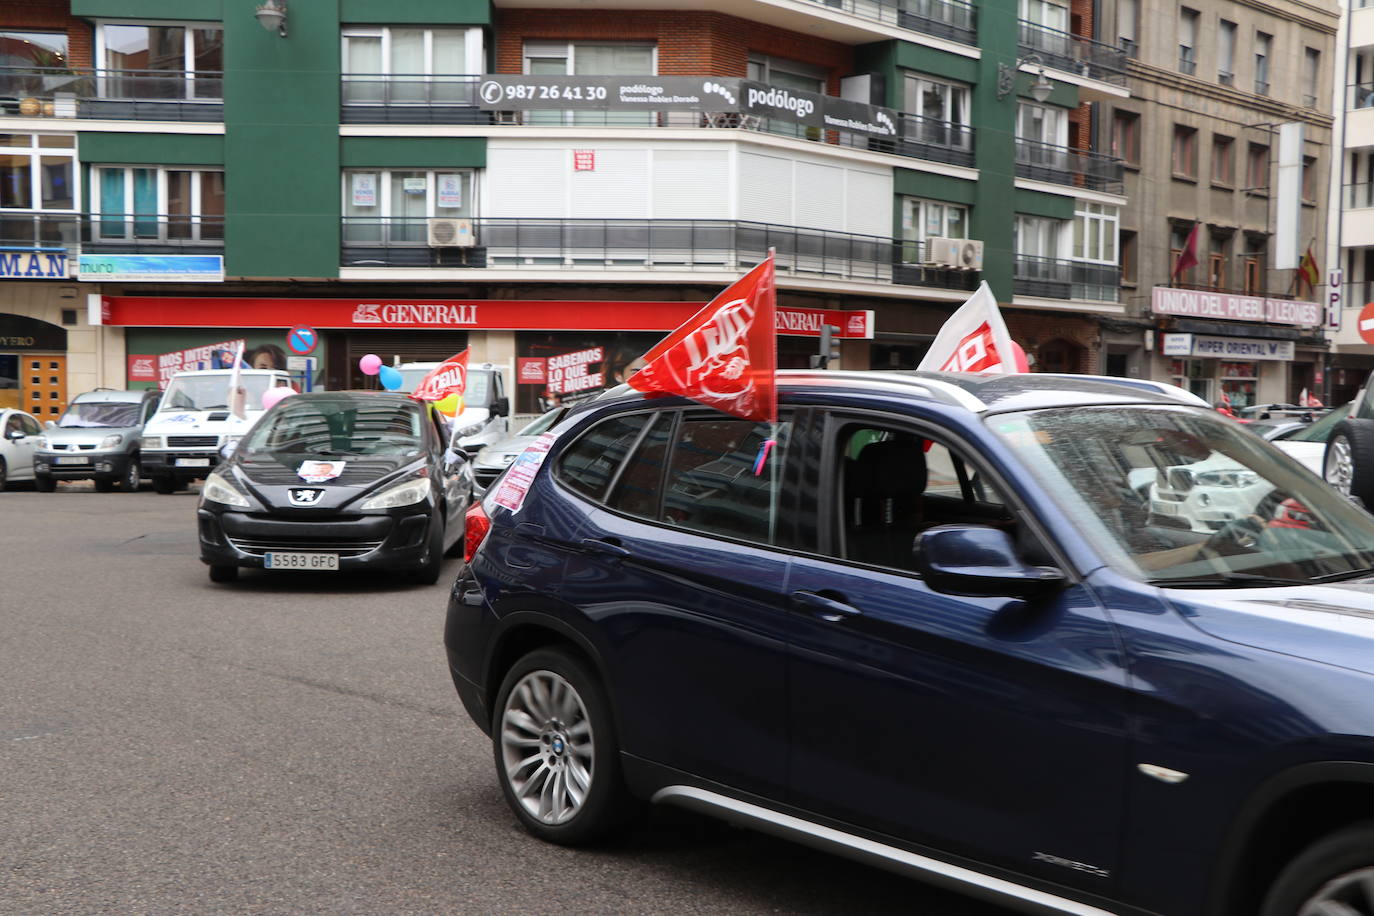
(829, 348)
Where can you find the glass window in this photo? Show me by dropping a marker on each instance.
(588, 465)
(712, 485)
(1126, 136)
(1226, 52)
(396, 204)
(640, 486)
(926, 219)
(160, 62)
(1263, 46)
(1185, 151)
(1187, 40)
(1128, 25)
(788, 74)
(586, 58)
(1095, 233)
(37, 173)
(152, 203)
(1312, 70)
(1223, 160)
(1257, 168)
(1045, 13)
(1042, 123)
(39, 50)
(1036, 236)
(418, 65)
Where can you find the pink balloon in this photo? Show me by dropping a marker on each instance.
(370, 364)
(1019, 357)
(272, 395)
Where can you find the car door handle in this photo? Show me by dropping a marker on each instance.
(605, 547)
(827, 609)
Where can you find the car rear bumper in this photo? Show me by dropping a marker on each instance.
(229, 538)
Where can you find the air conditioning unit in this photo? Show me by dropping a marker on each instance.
(959, 254)
(450, 232)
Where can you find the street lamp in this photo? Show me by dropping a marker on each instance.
(272, 15)
(1006, 77)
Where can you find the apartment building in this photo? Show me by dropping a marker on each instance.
(1227, 131)
(542, 184)
(1350, 246)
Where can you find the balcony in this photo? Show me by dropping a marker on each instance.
(24, 231)
(1074, 53)
(636, 245)
(1066, 166)
(1358, 196)
(952, 19)
(1051, 278)
(452, 99)
(139, 95)
(151, 233)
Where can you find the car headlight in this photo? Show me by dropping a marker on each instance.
(471, 429)
(219, 490)
(152, 442)
(1228, 479)
(42, 442)
(402, 494)
(111, 441)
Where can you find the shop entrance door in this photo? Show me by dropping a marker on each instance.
(10, 390)
(44, 382)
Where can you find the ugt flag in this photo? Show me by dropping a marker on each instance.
(974, 339)
(725, 356)
(449, 377)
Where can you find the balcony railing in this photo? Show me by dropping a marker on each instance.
(952, 19)
(39, 230)
(1051, 278)
(1359, 95)
(637, 245)
(452, 99)
(1074, 53)
(1358, 196)
(151, 95)
(1063, 165)
(150, 233)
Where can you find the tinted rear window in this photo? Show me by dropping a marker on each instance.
(588, 465)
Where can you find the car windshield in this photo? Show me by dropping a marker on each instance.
(1186, 498)
(305, 427)
(478, 393)
(100, 415)
(211, 392)
(543, 423)
(1321, 430)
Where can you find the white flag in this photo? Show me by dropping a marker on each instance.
(237, 400)
(974, 339)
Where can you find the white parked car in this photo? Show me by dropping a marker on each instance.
(19, 434)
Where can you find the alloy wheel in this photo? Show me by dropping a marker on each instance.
(1338, 468)
(547, 747)
(1350, 894)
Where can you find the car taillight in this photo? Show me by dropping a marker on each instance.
(475, 531)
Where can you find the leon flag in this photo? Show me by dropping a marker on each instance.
(1188, 256)
(726, 355)
(1308, 270)
(449, 377)
(973, 339)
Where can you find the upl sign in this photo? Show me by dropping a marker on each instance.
(33, 265)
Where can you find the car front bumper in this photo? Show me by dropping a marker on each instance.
(181, 464)
(233, 538)
(94, 464)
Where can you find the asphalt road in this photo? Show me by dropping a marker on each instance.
(292, 743)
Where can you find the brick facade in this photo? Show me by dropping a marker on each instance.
(51, 16)
(689, 43)
(1040, 332)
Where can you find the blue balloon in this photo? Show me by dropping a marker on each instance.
(390, 377)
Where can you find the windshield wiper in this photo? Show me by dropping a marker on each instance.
(1343, 576)
(1227, 580)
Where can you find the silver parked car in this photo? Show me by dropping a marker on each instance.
(489, 463)
(96, 439)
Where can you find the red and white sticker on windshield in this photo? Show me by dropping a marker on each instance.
(520, 476)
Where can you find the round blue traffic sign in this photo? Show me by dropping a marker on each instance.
(302, 341)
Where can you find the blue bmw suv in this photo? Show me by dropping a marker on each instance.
(958, 626)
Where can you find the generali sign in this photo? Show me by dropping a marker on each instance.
(1192, 303)
(441, 314)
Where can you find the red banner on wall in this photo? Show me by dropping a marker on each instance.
(448, 314)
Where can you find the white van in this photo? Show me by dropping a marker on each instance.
(182, 441)
(485, 417)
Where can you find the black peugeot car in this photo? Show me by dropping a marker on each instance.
(336, 481)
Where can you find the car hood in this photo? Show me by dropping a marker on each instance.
(1310, 454)
(500, 454)
(85, 435)
(1325, 623)
(176, 422)
(272, 483)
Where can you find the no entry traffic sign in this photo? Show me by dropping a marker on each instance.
(302, 340)
(1366, 323)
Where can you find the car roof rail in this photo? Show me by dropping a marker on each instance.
(936, 389)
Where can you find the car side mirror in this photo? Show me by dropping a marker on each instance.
(500, 407)
(15, 434)
(49, 424)
(976, 561)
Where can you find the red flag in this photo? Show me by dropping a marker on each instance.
(1308, 269)
(726, 355)
(1188, 256)
(449, 377)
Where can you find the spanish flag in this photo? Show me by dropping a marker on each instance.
(1308, 270)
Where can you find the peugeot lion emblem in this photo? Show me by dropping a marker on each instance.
(305, 496)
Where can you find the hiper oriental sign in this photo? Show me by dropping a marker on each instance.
(1192, 303)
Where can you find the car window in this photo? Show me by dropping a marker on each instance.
(29, 425)
(640, 485)
(717, 483)
(12, 423)
(589, 463)
(892, 484)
